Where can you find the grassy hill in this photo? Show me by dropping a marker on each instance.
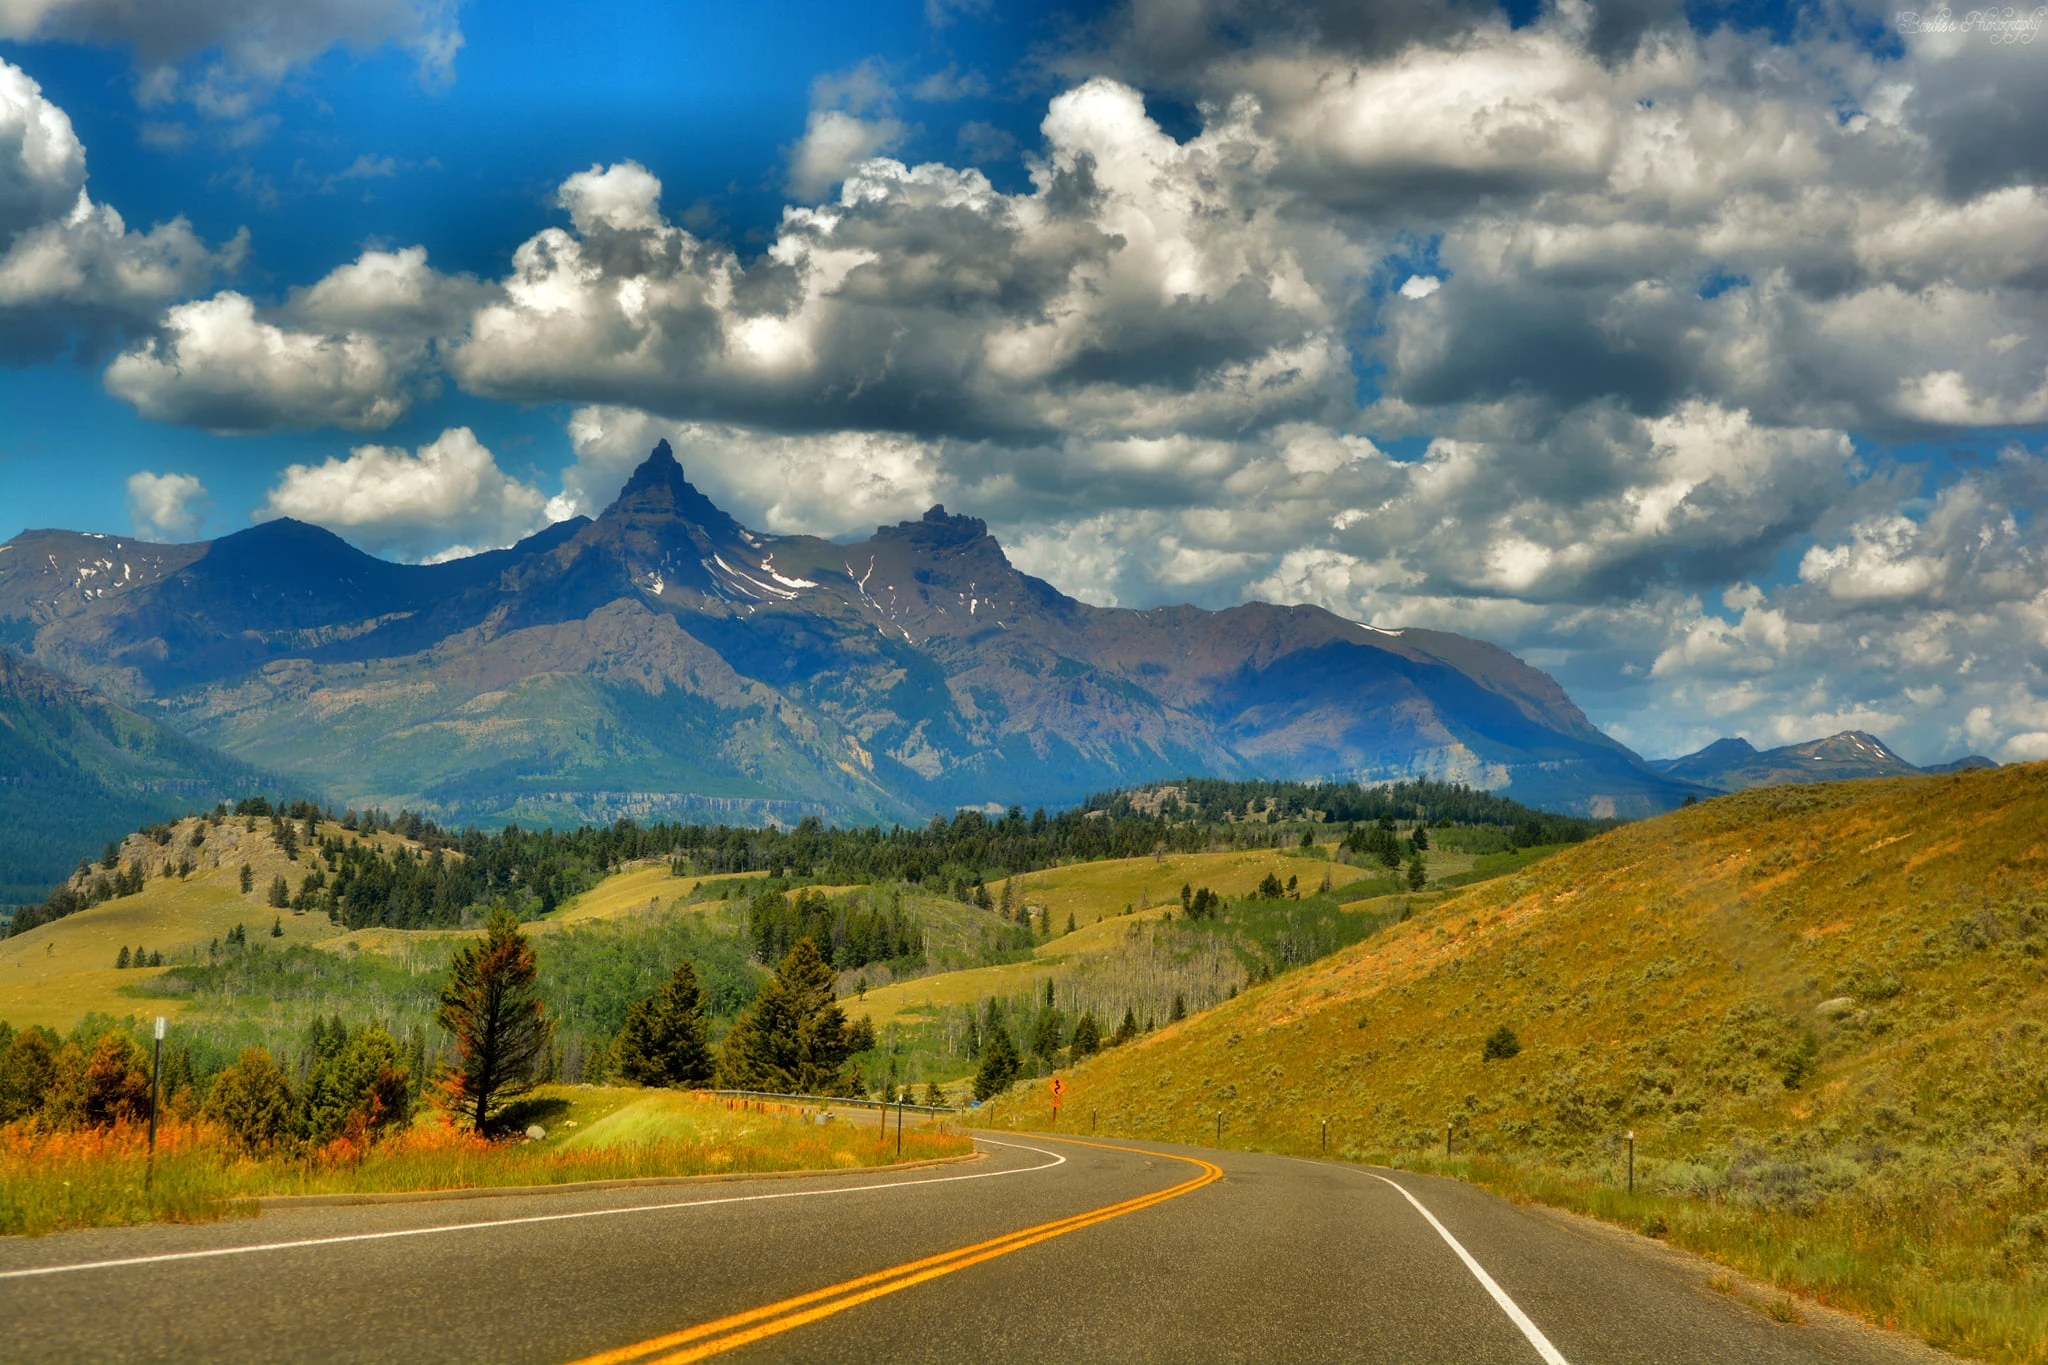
(56, 973)
(1823, 1011)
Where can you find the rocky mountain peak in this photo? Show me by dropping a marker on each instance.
(659, 489)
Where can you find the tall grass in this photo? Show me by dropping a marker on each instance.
(54, 1180)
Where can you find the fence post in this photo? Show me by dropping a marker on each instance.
(1631, 1161)
(156, 1071)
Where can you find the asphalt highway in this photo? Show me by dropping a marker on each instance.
(1046, 1249)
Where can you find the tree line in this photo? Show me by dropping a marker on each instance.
(443, 878)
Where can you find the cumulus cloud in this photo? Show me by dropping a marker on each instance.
(850, 121)
(1128, 291)
(353, 350)
(243, 48)
(166, 506)
(72, 276)
(447, 495)
(218, 366)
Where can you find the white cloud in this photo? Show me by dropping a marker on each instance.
(71, 273)
(218, 366)
(243, 48)
(834, 142)
(166, 506)
(447, 494)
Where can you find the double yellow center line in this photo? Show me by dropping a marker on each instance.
(724, 1334)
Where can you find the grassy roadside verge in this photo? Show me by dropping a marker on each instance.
(1915, 1262)
(95, 1177)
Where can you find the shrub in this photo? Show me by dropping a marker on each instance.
(1501, 1044)
(359, 1092)
(28, 1070)
(99, 1089)
(252, 1102)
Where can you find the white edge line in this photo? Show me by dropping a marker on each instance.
(1551, 1355)
(211, 1252)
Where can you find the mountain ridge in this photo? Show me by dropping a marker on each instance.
(1734, 764)
(666, 652)
(77, 769)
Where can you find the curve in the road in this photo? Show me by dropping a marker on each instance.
(301, 1243)
(740, 1329)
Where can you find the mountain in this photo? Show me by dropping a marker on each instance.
(664, 660)
(1960, 765)
(1735, 764)
(77, 770)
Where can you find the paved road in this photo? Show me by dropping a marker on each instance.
(1139, 1252)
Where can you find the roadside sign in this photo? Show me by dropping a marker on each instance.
(1059, 1091)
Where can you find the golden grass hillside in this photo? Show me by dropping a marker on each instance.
(1822, 1010)
(1097, 895)
(58, 972)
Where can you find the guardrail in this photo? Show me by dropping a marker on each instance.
(851, 1101)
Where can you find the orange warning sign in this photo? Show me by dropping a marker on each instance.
(1059, 1091)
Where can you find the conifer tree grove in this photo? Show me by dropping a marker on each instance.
(502, 1030)
(794, 1038)
(666, 1039)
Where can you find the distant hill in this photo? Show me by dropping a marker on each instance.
(1819, 1009)
(663, 661)
(1736, 765)
(77, 770)
(1960, 765)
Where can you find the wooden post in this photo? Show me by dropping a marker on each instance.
(156, 1071)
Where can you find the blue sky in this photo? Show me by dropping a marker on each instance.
(1697, 355)
(356, 149)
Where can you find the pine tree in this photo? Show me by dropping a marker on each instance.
(794, 1038)
(999, 1065)
(1087, 1038)
(277, 926)
(1126, 1030)
(1418, 875)
(280, 892)
(122, 960)
(1179, 1010)
(501, 1028)
(666, 1039)
(1049, 1036)
(1070, 921)
(248, 878)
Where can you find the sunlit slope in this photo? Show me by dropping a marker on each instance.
(1091, 891)
(1850, 971)
(58, 972)
(1096, 896)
